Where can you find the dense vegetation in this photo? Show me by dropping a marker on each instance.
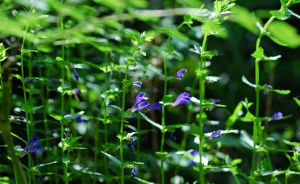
(137, 91)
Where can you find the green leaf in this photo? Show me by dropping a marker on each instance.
(282, 92)
(2, 53)
(112, 158)
(259, 54)
(29, 108)
(274, 39)
(125, 135)
(56, 116)
(236, 162)
(232, 119)
(297, 101)
(212, 28)
(175, 33)
(4, 180)
(171, 128)
(243, 17)
(283, 2)
(142, 181)
(295, 1)
(285, 33)
(249, 117)
(281, 14)
(150, 121)
(69, 143)
(162, 154)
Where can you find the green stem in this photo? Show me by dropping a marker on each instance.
(25, 101)
(5, 128)
(62, 104)
(201, 96)
(163, 117)
(139, 137)
(122, 123)
(257, 123)
(105, 112)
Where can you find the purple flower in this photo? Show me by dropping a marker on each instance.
(216, 100)
(33, 146)
(76, 75)
(194, 152)
(134, 172)
(131, 145)
(205, 128)
(215, 134)
(137, 84)
(140, 106)
(180, 73)
(191, 163)
(139, 103)
(275, 116)
(183, 98)
(155, 106)
(75, 91)
(140, 97)
(79, 119)
(266, 92)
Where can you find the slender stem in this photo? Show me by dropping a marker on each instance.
(122, 123)
(139, 136)
(25, 101)
(163, 117)
(103, 106)
(236, 178)
(5, 129)
(105, 112)
(257, 123)
(201, 110)
(62, 104)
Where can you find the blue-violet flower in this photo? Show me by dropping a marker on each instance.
(76, 75)
(155, 106)
(266, 92)
(140, 106)
(275, 116)
(137, 84)
(183, 98)
(134, 172)
(79, 119)
(180, 73)
(131, 145)
(33, 146)
(215, 134)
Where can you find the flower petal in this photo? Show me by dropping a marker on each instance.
(183, 98)
(180, 73)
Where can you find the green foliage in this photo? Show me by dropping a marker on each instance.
(285, 33)
(88, 132)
